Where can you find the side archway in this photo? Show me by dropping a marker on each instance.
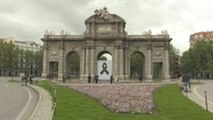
(137, 65)
(72, 65)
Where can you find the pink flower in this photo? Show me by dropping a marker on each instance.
(123, 98)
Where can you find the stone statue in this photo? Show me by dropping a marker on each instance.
(46, 32)
(164, 32)
(62, 32)
(149, 32)
(103, 13)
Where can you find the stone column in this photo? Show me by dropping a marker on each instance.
(128, 64)
(82, 63)
(61, 62)
(87, 27)
(45, 61)
(149, 63)
(126, 76)
(92, 60)
(121, 63)
(87, 61)
(115, 61)
(166, 62)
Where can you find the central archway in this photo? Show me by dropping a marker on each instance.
(104, 65)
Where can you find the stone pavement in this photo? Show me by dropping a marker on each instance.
(200, 99)
(43, 110)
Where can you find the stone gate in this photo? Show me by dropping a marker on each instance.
(105, 32)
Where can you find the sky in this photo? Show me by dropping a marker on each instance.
(28, 19)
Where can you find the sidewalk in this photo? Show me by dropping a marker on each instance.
(43, 110)
(194, 96)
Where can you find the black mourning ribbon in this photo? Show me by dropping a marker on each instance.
(104, 66)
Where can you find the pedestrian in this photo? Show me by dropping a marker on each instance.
(180, 82)
(186, 83)
(30, 79)
(140, 78)
(116, 79)
(64, 79)
(96, 79)
(111, 79)
(89, 78)
(25, 80)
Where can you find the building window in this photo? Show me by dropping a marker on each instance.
(207, 35)
(201, 36)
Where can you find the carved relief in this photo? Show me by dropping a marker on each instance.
(53, 56)
(54, 53)
(158, 55)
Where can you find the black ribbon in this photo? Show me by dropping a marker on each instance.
(104, 66)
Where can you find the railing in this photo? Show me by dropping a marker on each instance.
(53, 94)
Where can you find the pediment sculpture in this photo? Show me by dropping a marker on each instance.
(103, 13)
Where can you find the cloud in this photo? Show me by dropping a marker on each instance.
(28, 19)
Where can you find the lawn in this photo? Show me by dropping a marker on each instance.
(169, 101)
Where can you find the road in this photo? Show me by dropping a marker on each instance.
(198, 95)
(16, 102)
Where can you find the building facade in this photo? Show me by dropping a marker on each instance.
(22, 67)
(105, 33)
(200, 36)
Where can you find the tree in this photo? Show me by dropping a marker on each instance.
(137, 64)
(187, 62)
(174, 61)
(1, 56)
(39, 60)
(29, 61)
(73, 64)
(103, 58)
(10, 57)
(198, 60)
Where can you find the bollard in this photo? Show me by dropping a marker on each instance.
(206, 100)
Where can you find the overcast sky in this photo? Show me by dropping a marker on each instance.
(28, 19)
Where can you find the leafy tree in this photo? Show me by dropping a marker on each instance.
(9, 57)
(73, 63)
(136, 64)
(198, 60)
(173, 60)
(38, 58)
(103, 58)
(29, 61)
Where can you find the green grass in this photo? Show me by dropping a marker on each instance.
(170, 104)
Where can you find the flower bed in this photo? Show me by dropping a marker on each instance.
(122, 98)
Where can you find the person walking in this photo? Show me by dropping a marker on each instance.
(30, 79)
(186, 83)
(180, 82)
(96, 79)
(116, 79)
(111, 79)
(140, 78)
(89, 78)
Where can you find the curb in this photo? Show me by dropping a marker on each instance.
(38, 104)
(36, 110)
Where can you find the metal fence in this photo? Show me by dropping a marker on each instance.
(53, 94)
